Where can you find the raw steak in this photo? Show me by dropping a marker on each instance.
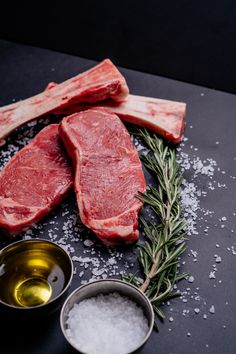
(35, 180)
(165, 117)
(101, 82)
(108, 174)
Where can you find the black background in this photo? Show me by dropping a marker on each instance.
(189, 40)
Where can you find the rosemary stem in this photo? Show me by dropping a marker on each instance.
(168, 210)
(157, 258)
(152, 272)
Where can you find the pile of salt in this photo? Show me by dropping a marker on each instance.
(106, 324)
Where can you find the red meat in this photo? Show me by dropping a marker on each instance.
(35, 180)
(108, 174)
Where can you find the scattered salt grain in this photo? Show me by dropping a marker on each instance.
(212, 309)
(106, 324)
(191, 279)
(32, 123)
(97, 271)
(212, 275)
(88, 243)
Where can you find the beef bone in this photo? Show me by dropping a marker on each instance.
(98, 83)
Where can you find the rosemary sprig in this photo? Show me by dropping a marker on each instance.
(165, 241)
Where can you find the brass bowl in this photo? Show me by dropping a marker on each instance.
(34, 275)
(107, 286)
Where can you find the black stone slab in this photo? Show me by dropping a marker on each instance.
(210, 130)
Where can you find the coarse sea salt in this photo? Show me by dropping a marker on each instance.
(106, 324)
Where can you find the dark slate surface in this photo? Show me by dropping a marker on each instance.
(210, 130)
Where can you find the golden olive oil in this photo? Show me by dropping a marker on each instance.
(33, 292)
(33, 276)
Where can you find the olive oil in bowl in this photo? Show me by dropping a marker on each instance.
(33, 273)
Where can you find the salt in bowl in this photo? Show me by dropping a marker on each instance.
(87, 306)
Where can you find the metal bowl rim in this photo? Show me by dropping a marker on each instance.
(125, 283)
